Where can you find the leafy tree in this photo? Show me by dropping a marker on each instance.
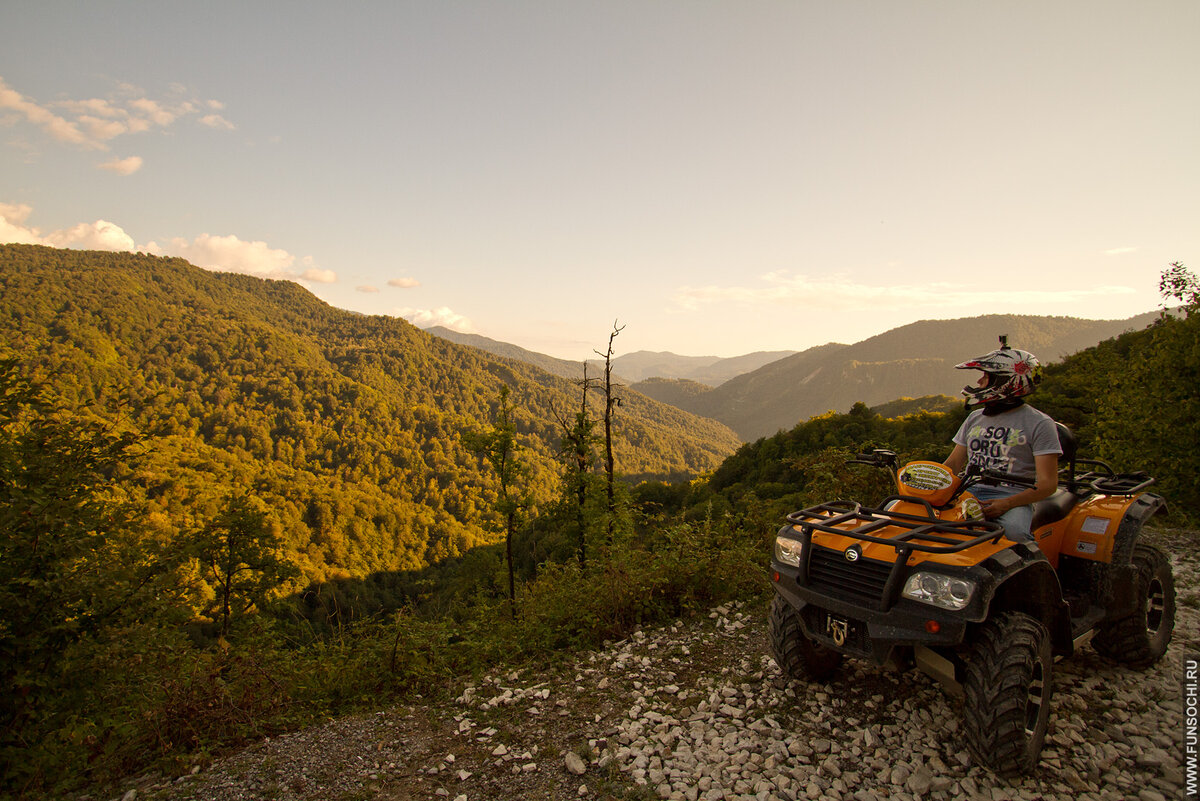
(500, 447)
(1180, 285)
(239, 557)
(577, 454)
(72, 563)
(1148, 408)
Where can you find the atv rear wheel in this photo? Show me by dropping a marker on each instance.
(1007, 689)
(1141, 638)
(797, 655)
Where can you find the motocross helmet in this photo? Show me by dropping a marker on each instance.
(1012, 374)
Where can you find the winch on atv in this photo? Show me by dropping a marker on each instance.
(923, 580)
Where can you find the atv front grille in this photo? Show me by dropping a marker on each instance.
(863, 580)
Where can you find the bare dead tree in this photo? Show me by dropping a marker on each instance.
(611, 401)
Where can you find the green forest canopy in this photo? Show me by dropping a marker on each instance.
(348, 426)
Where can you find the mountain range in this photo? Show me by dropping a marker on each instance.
(628, 367)
(911, 361)
(708, 370)
(776, 390)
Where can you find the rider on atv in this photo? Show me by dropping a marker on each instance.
(1003, 433)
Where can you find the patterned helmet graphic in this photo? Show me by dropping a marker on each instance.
(1012, 374)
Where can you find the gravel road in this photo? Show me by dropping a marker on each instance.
(699, 710)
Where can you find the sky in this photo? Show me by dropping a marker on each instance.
(716, 177)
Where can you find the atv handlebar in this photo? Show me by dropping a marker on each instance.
(879, 457)
(987, 476)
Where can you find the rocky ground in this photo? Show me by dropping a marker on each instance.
(699, 710)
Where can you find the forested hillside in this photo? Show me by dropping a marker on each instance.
(349, 427)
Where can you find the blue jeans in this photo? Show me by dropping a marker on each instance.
(1016, 521)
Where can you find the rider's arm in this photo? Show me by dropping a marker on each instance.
(957, 459)
(1047, 483)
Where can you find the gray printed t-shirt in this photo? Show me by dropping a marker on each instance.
(1008, 441)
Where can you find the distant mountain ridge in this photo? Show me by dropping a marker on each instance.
(911, 361)
(627, 368)
(562, 368)
(710, 370)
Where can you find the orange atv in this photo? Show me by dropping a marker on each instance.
(924, 580)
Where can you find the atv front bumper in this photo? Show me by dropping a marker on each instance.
(858, 630)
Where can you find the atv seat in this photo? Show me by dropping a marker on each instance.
(1052, 509)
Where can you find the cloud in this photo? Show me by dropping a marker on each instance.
(12, 225)
(404, 283)
(59, 128)
(233, 255)
(839, 293)
(367, 289)
(102, 129)
(443, 316)
(216, 121)
(100, 235)
(222, 253)
(230, 254)
(92, 123)
(153, 111)
(16, 213)
(319, 276)
(95, 105)
(123, 166)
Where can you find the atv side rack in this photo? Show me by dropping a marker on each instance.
(1103, 481)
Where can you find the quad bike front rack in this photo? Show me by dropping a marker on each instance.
(922, 533)
(875, 582)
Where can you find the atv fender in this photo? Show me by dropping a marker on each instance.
(1119, 586)
(1036, 591)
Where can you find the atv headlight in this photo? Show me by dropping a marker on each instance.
(944, 591)
(789, 551)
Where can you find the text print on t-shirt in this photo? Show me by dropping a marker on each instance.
(990, 446)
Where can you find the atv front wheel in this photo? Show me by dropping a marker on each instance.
(797, 655)
(1141, 638)
(1007, 690)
